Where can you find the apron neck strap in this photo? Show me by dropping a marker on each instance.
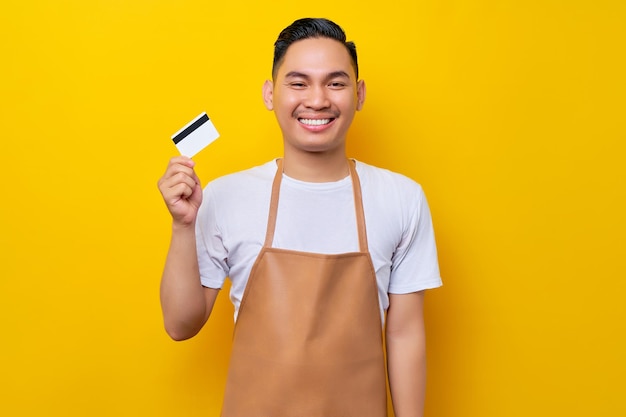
(358, 205)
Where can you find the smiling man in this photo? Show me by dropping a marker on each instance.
(315, 95)
(323, 253)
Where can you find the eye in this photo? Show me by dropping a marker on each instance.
(297, 85)
(337, 84)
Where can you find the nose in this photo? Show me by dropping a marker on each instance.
(317, 98)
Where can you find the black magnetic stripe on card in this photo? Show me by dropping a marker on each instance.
(189, 130)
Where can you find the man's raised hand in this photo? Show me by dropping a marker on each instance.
(181, 190)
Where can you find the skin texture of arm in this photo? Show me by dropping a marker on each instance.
(406, 353)
(186, 305)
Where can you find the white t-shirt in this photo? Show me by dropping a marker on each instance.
(320, 218)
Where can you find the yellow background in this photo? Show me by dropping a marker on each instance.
(509, 113)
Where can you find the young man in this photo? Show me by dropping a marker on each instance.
(310, 283)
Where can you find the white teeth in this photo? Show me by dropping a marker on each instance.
(315, 122)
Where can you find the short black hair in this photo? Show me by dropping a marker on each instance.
(311, 28)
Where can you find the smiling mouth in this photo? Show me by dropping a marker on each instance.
(315, 122)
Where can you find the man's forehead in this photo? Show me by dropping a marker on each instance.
(315, 56)
(328, 74)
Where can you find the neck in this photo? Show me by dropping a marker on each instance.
(316, 167)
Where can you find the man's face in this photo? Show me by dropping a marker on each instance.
(315, 95)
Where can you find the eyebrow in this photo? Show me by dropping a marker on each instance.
(334, 74)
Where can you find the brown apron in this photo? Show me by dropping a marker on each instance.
(308, 338)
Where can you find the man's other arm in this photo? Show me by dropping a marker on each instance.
(406, 353)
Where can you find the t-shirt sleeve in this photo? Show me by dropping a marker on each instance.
(415, 266)
(212, 255)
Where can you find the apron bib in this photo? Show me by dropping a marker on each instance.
(308, 337)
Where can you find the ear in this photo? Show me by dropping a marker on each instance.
(360, 94)
(268, 94)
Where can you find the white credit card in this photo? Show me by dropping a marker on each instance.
(195, 135)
